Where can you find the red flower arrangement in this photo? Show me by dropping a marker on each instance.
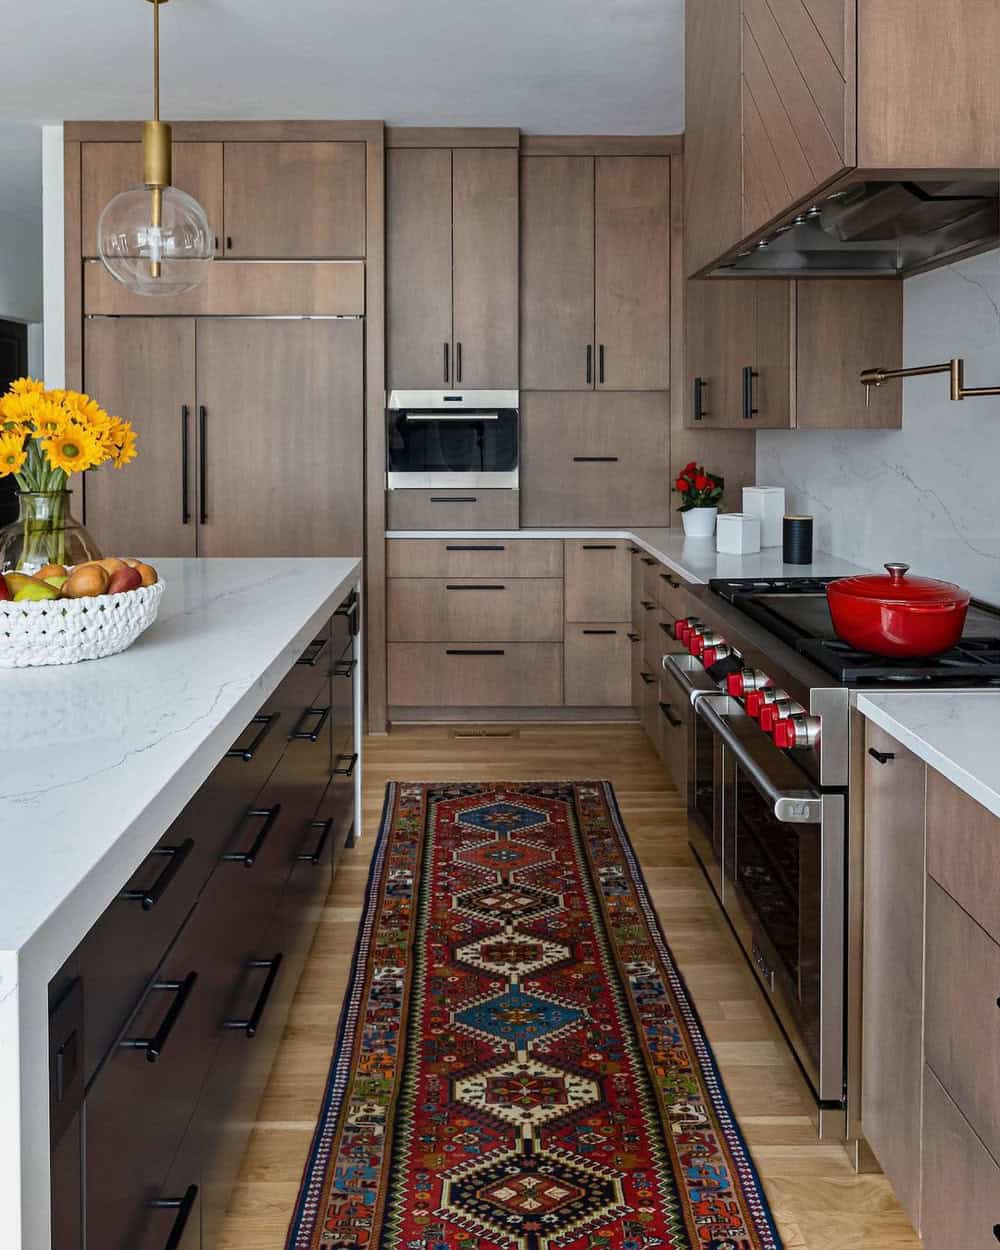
(697, 488)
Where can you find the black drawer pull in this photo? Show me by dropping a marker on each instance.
(310, 657)
(599, 547)
(699, 401)
(153, 1046)
(252, 1023)
(667, 629)
(466, 547)
(647, 605)
(248, 858)
(599, 631)
(590, 364)
(454, 499)
(185, 459)
(596, 459)
(648, 561)
(883, 757)
(446, 348)
(634, 637)
(749, 411)
(316, 854)
(648, 678)
(471, 651)
(299, 734)
(672, 582)
(345, 668)
(350, 605)
(458, 362)
(600, 364)
(483, 587)
(246, 754)
(183, 1206)
(175, 855)
(668, 712)
(203, 464)
(349, 770)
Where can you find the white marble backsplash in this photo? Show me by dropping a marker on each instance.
(928, 494)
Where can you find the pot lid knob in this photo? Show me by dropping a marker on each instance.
(897, 572)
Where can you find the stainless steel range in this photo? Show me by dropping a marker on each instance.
(775, 773)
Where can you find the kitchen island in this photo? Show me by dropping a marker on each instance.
(101, 760)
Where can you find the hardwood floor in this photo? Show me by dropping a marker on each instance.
(818, 1201)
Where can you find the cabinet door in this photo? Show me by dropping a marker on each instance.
(766, 401)
(557, 273)
(418, 268)
(892, 1032)
(485, 275)
(721, 341)
(632, 272)
(598, 661)
(107, 168)
(281, 417)
(142, 368)
(598, 579)
(713, 215)
(295, 200)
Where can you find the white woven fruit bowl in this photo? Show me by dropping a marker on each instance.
(65, 631)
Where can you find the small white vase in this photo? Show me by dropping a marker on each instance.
(700, 522)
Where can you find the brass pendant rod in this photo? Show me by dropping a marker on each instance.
(156, 60)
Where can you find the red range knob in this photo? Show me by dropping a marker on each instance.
(778, 710)
(757, 700)
(797, 730)
(783, 733)
(708, 657)
(734, 685)
(682, 629)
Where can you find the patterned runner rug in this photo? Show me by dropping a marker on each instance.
(519, 1065)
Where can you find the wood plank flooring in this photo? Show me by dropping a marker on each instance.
(818, 1201)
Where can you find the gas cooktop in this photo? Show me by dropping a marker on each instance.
(795, 609)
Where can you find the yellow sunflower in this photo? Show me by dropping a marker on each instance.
(48, 418)
(27, 386)
(12, 454)
(73, 449)
(16, 412)
(123, 441)
(86, 410)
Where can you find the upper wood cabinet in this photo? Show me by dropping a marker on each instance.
(451, 264)
(777, 354)
(266, 200)
(595, 273)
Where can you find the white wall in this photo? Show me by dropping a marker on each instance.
(21, 278)
(928, 494)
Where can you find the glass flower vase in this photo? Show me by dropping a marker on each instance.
(45, 532)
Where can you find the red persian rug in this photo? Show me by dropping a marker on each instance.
(519, 1065)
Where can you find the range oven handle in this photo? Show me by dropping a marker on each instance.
(791, 807)
(693, 692)
(451, 416)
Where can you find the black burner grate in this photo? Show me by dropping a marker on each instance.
(975, 660)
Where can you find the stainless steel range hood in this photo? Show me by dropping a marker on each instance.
(886, 227)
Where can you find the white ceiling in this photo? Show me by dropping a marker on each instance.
(547, 66)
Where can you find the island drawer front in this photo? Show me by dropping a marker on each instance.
(465, 609)
(475, 557)
(962, 1018)
(598, 666)
(963, 850)
(452, 510)
(961, 1192)
(475, 675)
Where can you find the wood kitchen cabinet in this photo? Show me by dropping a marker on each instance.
(451, 268)
(262, 455)
(595, 273)
(777, 354)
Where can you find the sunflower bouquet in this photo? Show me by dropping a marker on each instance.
(47, 436)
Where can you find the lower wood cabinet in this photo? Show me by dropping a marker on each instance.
(165, 1020)
(483, 609)
(451, 509)
(598, 579)
(598, 665)
(442, 675)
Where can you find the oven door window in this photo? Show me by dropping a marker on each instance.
(425, 442)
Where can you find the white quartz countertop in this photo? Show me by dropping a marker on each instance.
(956, 732)
(694, 559)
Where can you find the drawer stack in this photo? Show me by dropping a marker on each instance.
(166, 1018)
(597, 624)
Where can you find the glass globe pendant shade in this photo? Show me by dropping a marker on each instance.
(149, 259)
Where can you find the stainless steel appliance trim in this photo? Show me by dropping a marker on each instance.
(680, 666)
(833, 896)
(454, 399)
(791, 807)
(471, 479)
(451, 416)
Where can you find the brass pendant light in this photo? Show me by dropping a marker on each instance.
(155, 239)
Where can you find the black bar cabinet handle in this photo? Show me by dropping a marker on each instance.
(599, 631)
(310, 657)
(648, 561)
(229, 242)
(599, 547)
(344, 668)
(183, 1206)
(203, 463)
(473, 547)
(883, 757)
(267, 722)
(252, 1022)
(458, 362)
(635, 551)
(153, 1046)
(647, 605)
(454, 498)
(447, 349)
(476, 587)
(668, 712)
(175, 855)
(299, 734)
(672, 582)
(316, 854)
(749, 411)
(590, 364)
(347, 771)
(248, 858)
(185, 468)
(473, 651)
(600, 364)
(595, 459)
(648, 678)
(634, 637)
(699, 400)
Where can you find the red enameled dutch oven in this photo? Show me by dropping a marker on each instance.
(897, 615)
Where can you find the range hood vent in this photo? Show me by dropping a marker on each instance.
(889, 228)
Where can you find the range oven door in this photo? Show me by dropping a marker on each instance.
(441, 439)
(784, 869)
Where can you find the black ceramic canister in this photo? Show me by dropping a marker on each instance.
(797, 533)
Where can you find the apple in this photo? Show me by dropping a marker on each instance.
(85, 581)
(146, 571)
(124, 579)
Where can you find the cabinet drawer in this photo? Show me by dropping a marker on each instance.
(963, 850)
(465, 609)
(962, 1013)
(475, 557)
(637, 592)
(508, 675)
(673, 725)
(668, 590)
(598, 579)
(657, 640)
(598, 666)
(452, 510)
(961, 1193)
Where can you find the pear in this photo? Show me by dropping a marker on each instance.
(124, 579)
(15, 581)
(86, 581)
(51, 570)
(57, 580)
(34, 591)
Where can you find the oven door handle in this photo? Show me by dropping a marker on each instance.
(451, 416)
(791, 807)
(694, 693)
